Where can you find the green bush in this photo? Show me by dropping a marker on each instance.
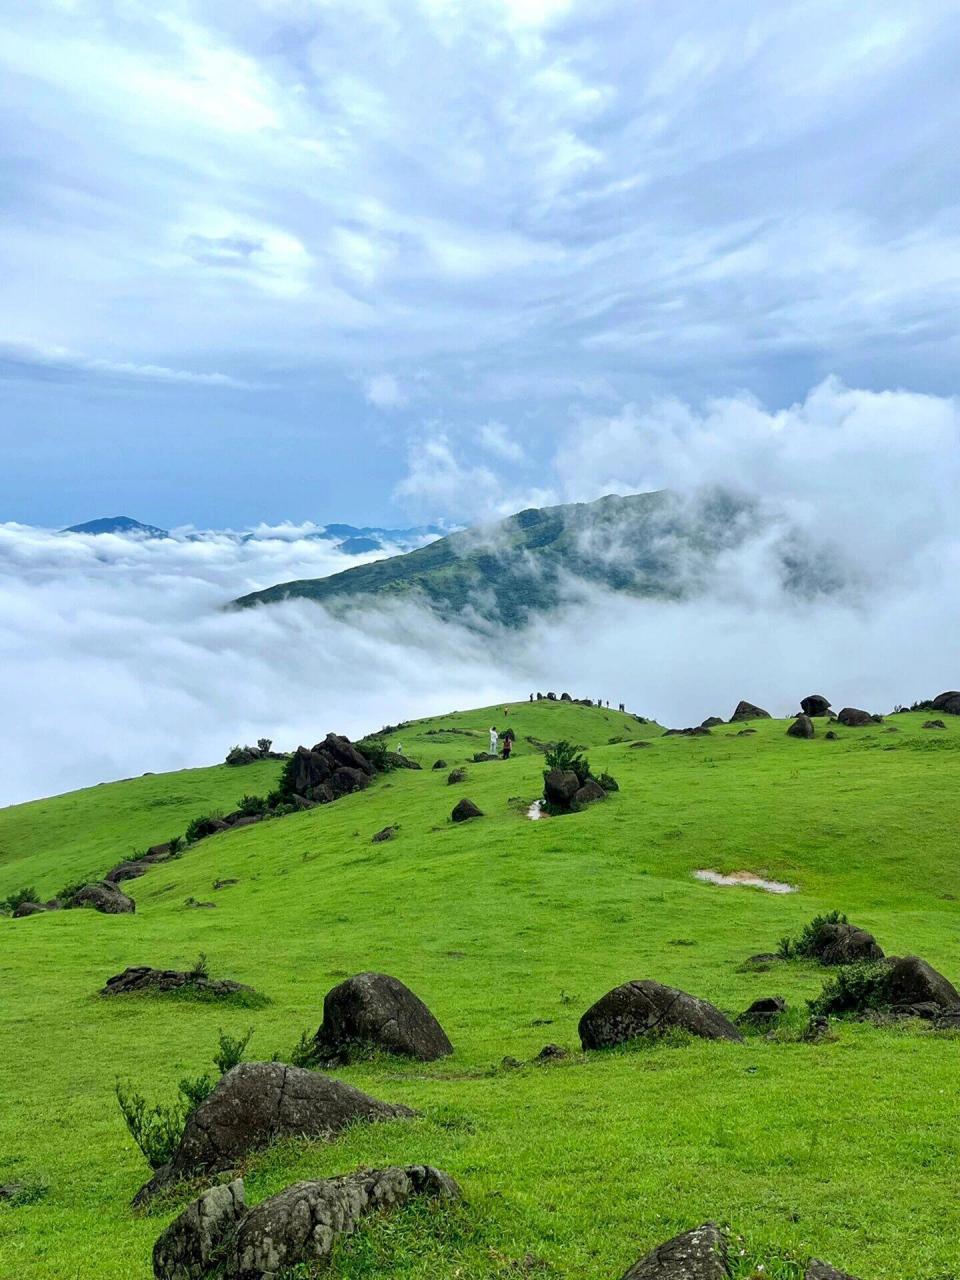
(200, 968)
(13, 900)
(855, 989)
(70, 891)
(176, 844)
(608, 782)
(156, 1130)
(375, 750)
(564, 755)
(285, 787)
(806, 944)
(230, 1050)
(197, 828)
(252, 806)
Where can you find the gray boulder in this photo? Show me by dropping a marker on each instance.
(845, 944)
(700, 1254)
(645, 1007)
(802, 727)
(464, 810)
(373, 1011)
(711, 722)
(560, 786)
(28, 909)
(456, 776)
(303, 1223)
(763, 1012)
(104, 897)
(949, 702)
(196, 1242)
(257, 1103)
(913, 982)
(854, 718)
(749, 711)
(933, 724)
(817, 1270)
(815, 704)
(587, 794)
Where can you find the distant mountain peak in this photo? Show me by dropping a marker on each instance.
(124, 525)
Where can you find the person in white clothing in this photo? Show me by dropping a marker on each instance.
(493, 742)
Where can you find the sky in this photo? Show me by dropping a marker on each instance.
(383, 260)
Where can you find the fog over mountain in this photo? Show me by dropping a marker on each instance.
(117, 655)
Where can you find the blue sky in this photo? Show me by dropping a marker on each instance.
(375, 261)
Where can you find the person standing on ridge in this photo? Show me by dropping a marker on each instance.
(507, 748)
(493, 741)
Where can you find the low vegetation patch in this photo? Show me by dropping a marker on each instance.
(806, 944)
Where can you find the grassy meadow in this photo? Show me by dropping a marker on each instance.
(509, 929)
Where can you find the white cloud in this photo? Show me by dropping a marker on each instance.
(495, 437)
(385, 392)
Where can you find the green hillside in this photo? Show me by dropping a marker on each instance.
(509, 929)
(532, 561)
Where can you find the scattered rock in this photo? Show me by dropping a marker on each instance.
(831, 736)
(257, 1103)
(386, 833)
(711, 722)
(697, 731)
(483, 757)
(641, 743)
(949, 702)
(763, 1012)
(844, 944)
(28, 909)
(551, 1053)
(854, 718)
(802, 727)
(194, 905)
(195, 1243)
(645, 1007)
(933, 724)
(139, 978)
(748, 711)
(303, 1224)
(817, 1030)
(817, 1270)
(760, 963)
(373, 1011)
(464, 811)
(330, 769)
(700, 1254)
(224, 884)
(745, 733)
(439, 764)
(103, 897)
(510, 1064)
(456, 776)
(130, 870)
(815, 704)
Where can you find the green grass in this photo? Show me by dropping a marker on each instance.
(509, 929)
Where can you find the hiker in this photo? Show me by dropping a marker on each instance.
(493, 741)
(531, 697)
(507, 748)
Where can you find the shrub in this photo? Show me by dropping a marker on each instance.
(806, 944)
(197, 828)
(201, 968)
(70, 891)
(195, 1091)
(230, 1050)
(156, 1130)
(375, 750)
(252, 806)
(285, 787)
(564, 755)
(608, 782)
(264, 745)
(304, 1051)
(856, 988)
(13, 900)
(176, 844)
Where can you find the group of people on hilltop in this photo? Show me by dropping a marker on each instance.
(600, 701)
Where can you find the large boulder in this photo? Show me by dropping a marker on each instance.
(949, 702)
(700, 1254)
(802, 727)
(711, 722)
(257, 1103)
(645, 1007)
(196, 1242)
(331, 768)
(28, 909)
(302, 1224)
(749, 711)
(136, 979)
(373, 1011)
(560, 786)
(815, 704)
(763, 1012)
(854, 718)
(587, 794)
(464, 810)
(912, 982)
(844, 944)
(104, 897)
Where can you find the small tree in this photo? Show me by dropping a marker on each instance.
(564, 755)
(264, 744)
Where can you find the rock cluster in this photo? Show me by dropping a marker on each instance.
(373, 1012)
(217, 1234)
(703, 1254)
(137, 979)
(331, 769)
(103, 896)
(565, 793)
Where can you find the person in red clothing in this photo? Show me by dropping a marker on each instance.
(507, 748)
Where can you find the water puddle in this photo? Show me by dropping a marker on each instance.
(745, 878)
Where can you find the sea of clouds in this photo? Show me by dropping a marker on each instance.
(117, 655)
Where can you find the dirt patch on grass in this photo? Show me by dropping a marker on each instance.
(745, 879)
